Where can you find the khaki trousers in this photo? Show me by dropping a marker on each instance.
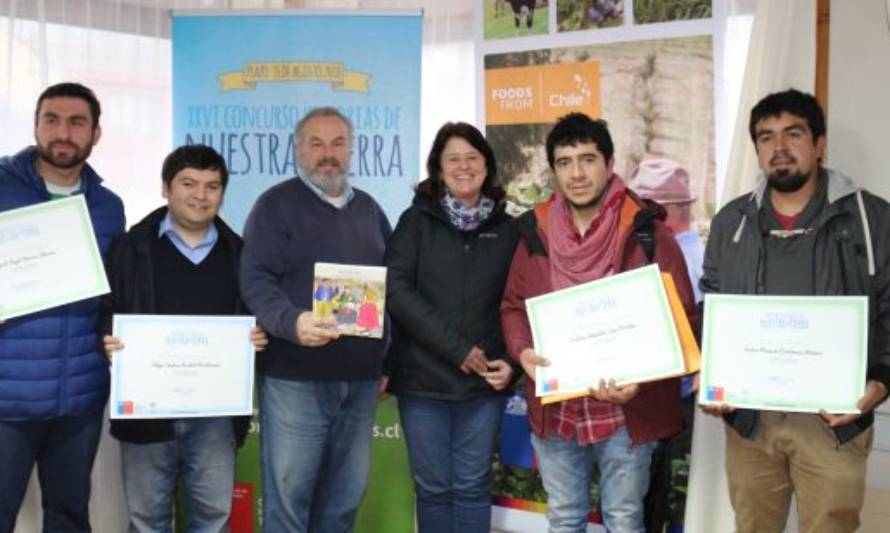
(796, 453)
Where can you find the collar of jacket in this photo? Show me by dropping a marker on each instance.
(432, 208)
(24, 168)
(143, 230)
(635, 214)
(839, 186)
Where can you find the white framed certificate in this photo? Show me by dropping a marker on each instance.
(619, 327)
(785, 353)
(39, 242)
(175, 366)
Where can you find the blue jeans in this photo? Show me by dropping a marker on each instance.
(450, 445)
(64, 449)
(567, 469)
(316, 453)
(202, 454)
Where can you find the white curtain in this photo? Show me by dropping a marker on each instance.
(782, 54)
(122, 50)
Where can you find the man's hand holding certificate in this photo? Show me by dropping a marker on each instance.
(36, 244)
(802, 353)
(183, 366)
(605, 334)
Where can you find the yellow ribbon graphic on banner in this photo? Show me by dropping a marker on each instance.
(278, 71)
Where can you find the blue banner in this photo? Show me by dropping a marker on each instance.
(241, 83)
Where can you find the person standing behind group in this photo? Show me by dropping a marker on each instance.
(447, 263)
(666, 182)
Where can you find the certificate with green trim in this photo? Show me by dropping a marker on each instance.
(784, 353)
(48, 257)
(619, 327)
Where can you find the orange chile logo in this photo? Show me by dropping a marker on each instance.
(541, 94)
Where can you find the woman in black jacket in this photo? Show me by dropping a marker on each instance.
(447, 265)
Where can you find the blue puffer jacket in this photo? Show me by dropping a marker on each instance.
(50, 363)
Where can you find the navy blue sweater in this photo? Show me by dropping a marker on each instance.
(288, 230)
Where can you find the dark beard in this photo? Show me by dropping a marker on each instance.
(46, 154)
(786, 182)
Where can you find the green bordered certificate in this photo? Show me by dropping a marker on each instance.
(48, 257)
(619, 327)
(795, 353)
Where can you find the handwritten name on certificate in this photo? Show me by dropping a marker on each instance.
(619, 327)
(794, 353)
(176, 366)
(39, 242)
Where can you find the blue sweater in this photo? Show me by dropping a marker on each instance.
(50, 364)
(288, 230)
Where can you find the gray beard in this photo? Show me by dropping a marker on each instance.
(332, 186)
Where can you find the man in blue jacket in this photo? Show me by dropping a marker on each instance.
(53, 378)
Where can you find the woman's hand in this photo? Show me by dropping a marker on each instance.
(498, 374)
(475, 361)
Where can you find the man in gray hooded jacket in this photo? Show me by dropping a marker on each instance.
(805, 230)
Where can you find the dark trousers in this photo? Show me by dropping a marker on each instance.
(657, 502)
(63, 449)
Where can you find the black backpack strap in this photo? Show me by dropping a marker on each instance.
(644, 227)
(527, 225)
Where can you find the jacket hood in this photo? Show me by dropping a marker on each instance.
(839, 185)
(429, 206)
(21, 167)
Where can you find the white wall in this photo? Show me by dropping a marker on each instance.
(859, 85)
(858, 141)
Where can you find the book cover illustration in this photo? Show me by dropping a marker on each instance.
(354, 295)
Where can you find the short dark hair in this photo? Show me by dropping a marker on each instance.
(71, 90)
(197, 156)
(794, 102)
(434, 186)
(576, 128)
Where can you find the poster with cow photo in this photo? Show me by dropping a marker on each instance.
(516, 18)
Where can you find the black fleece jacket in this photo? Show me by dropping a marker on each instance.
(130, 270)
(443, 293)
